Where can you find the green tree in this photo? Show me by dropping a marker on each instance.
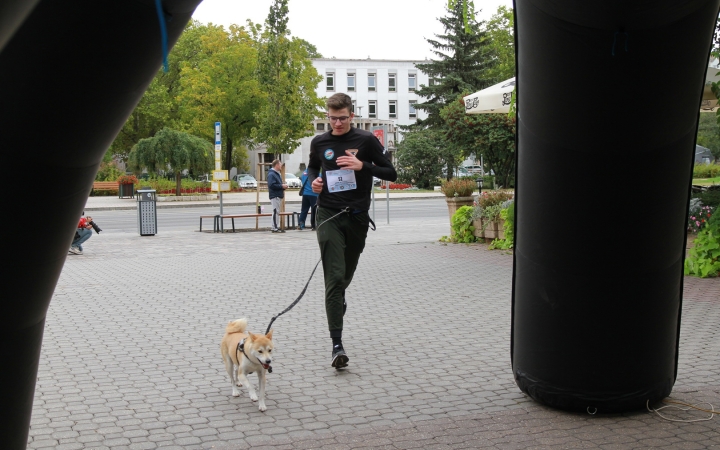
(172, 150)
(158, 107)
(221, 86)
(421, 156)
(289, 79)
(490, 135)
(463, 61)
(500, 34)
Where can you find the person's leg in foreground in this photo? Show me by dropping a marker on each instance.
(341, 241)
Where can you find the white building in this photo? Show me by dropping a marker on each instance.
(383, 93)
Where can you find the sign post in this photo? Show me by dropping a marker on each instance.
(220, 181)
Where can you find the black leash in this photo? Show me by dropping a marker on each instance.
(296, 300)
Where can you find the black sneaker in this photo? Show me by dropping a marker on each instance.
(339, 358)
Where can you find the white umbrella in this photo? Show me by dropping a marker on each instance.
(495, 99)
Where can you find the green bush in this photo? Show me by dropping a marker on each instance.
(709, 198)
(458, 187)
(461, 224)
(706, 170)
(108, 171)
(704, 258)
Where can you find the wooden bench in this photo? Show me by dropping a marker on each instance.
(105, 186)
(218, 220)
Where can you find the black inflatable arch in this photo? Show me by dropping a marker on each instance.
(608, 98)
(71, 73)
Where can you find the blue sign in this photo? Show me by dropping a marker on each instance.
(217, 133)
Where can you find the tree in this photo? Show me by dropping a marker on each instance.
(421, 156)
(500, 34)
(158, 107)
(222, 87)
(490, 135)
(464, 59)
(708, 134)
(289, 79)
(172, 150)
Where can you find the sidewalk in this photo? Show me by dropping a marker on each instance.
(107, 203)
(130, 356)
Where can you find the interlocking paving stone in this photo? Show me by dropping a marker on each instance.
(130, 356)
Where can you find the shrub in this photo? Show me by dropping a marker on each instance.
(108, 171)
(490, 198)
(704, 258)
(461, 224)
(706, 170)
(698, 215)
(127, 179)
(709, 198)
(458, 187)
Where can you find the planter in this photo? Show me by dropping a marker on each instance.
(493, 230)
(478, 232)
(454, 203)
(126, 191)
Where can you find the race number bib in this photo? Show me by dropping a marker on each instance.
(340, 180)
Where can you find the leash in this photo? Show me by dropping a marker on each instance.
(344, 210)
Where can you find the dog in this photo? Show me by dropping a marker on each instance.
(244, 353)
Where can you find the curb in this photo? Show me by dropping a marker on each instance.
(216, 203)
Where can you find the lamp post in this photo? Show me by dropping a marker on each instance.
(479, 182)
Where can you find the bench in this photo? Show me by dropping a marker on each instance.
(105, 186)
(219, 219)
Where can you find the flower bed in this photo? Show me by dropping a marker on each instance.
(396, 186)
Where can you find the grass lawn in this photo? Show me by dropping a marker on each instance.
(706, 181)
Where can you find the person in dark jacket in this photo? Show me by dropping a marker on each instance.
(349, 158)
(276, 191)
(309, 201)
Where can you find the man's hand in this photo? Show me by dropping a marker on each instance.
(284, 186)
(317, 185)
(349, 161)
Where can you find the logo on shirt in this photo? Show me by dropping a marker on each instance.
(329, 154)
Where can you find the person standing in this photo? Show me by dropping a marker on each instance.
(309, 202)
(276, 191)
(349, 158)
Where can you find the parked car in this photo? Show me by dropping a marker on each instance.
(205, 178)
(377, 181)
(473, 169)
(459, 172)
(245, 181)
(292, 180)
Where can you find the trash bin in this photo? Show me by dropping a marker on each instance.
(146, 208)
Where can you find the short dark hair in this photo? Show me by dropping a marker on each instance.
(275, 162)
(339, 101)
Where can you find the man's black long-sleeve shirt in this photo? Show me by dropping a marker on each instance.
(324, 151)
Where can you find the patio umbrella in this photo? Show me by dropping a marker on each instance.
(495, 99)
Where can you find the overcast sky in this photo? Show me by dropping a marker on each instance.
(379, 29)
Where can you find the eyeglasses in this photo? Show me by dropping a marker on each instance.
(338, 119)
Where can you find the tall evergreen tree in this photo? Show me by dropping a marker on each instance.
(464, 57)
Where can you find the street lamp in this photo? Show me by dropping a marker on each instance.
(479, 184)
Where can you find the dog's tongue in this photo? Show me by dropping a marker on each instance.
(265, 366)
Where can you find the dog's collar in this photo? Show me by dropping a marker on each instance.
(241, 347)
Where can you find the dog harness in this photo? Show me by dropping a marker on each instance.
(241, 347)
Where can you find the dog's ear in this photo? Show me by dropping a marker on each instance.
(251, 337)
(269, 335)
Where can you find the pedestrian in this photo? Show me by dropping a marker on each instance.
(276, 191)
(349, 158)
(82, 234)
(309, 202)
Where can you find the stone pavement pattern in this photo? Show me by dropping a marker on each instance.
(130, 356)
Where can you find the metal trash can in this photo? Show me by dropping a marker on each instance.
(147, 212)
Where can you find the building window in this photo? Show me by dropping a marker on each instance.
(351, 81)
(412, 109)
(393, 109)
(353, 107)
(330, 81)
(321, 126)
(371, 82)
(411, 82)
(372, 109)
(433, 81)
(391, 82)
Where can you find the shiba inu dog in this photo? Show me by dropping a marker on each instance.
(245, 353)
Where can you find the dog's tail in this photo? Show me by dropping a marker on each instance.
(236, 326)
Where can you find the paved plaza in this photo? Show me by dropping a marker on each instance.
(131, 360)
